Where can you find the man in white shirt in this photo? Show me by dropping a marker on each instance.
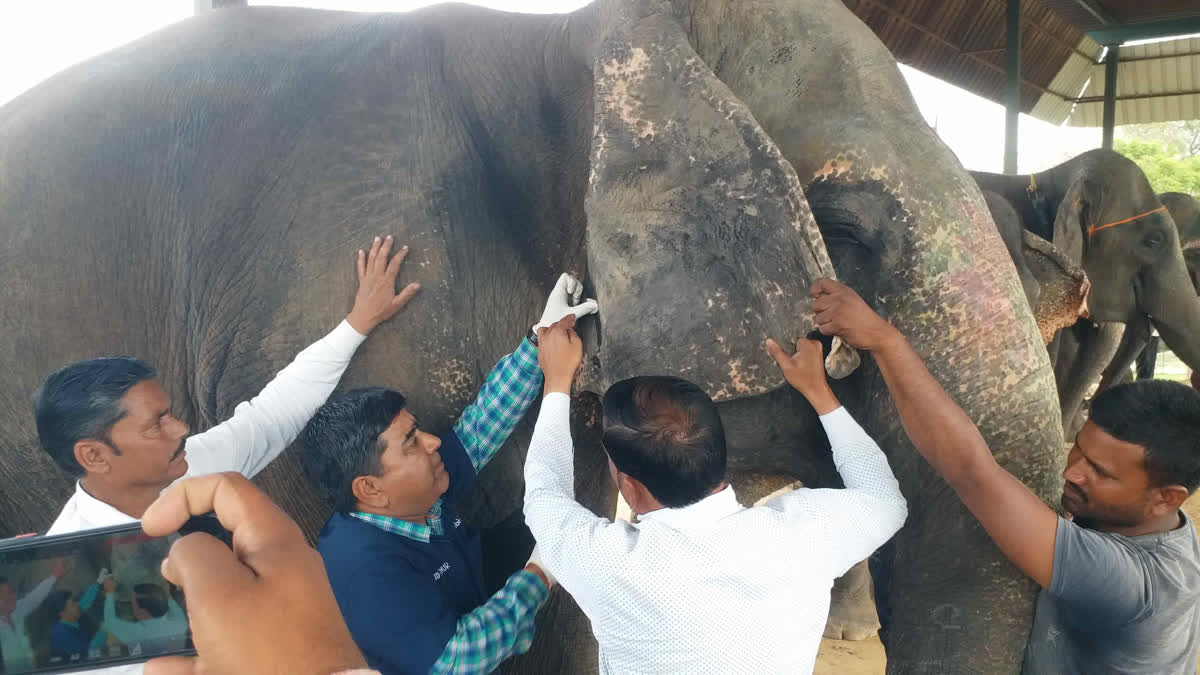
(700, 584)
(14, 640)
(107, 421)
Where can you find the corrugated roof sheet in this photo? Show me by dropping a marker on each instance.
(1159, 82)
(962, 41)
(1122, 11)
(1056, 107)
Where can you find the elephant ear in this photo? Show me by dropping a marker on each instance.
(1071, 221)
(700, 241)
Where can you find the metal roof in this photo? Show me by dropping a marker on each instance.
(962, 42)
(1156, 82)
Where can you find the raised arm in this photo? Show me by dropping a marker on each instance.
(1016, 519)
(510, 389)
(262, 427)
(871, 507)
(576, 545)
(32, 600)
(513, 384)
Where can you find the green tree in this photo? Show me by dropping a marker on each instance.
(1167, 171)
(1181, 138)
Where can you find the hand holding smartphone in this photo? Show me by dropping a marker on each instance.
(263, 607)
(257, 593)
(92, 599)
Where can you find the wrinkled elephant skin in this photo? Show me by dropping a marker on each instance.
(196, 197)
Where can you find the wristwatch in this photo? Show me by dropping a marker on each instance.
(532, 336)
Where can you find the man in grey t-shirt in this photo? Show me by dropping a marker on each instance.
(1119, 604)
(1121, 580)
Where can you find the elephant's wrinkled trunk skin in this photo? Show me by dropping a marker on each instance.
(1170, 299)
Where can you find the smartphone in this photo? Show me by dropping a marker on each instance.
(92, 599)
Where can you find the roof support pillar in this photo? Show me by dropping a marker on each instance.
(1012, 89)
(1112, 62)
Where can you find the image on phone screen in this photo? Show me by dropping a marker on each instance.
(88, 600)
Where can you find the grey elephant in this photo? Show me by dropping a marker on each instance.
(1138, 345)
(189, 198)
(1100, 211)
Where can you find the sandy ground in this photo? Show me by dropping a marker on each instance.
(866, 657)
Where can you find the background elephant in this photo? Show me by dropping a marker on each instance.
(1098, 209)
(196, 197)
(1185, 211)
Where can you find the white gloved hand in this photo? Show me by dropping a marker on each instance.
(564, 300)
(535, 558)
(104, 574)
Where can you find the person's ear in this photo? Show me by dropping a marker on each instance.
(635, 493)
(368, 490)
(1169, 499)
(93, 456)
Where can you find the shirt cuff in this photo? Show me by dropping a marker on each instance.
(841, 428)
(344, 338)
(555, 403)
(526, 359)
(529, 587)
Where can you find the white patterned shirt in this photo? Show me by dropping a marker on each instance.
(713, 587)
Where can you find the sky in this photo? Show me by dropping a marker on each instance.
(41, 37)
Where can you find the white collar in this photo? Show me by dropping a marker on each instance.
(96, 513)
(708, 510)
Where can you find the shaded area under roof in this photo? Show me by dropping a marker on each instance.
(962, 42)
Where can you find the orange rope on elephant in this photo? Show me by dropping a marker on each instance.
(1096, 228)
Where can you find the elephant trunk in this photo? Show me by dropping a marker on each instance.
(1171, 301)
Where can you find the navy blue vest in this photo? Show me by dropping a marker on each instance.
(400, 597)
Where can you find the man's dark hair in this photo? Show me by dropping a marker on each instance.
(152, 598)
(1161, 416)
(57, 602)
(83, 400)
(666, 433)
(341, 442)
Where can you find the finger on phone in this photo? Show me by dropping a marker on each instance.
(255, 521)
(204, 567)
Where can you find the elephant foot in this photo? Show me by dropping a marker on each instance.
(852, 614)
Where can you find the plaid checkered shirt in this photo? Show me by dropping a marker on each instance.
(502, 626)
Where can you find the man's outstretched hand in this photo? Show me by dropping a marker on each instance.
(263, 607)
(560, 351)
(805, 371)
(377, 299)
(840, 312)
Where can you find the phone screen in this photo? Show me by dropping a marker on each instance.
(91, 599)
